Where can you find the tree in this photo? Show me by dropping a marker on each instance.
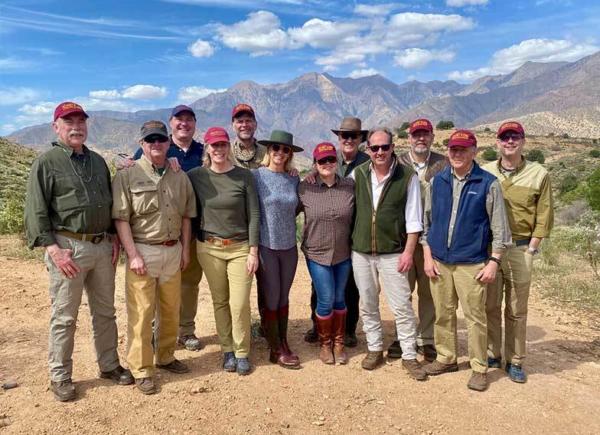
(593, 192)
(444, 125)
(487, 129)
(535, 156)
(595, 153)
(568, 184)
(489, 154)
(405, 125)
(402, 134)
(445, 142)
(565, 136)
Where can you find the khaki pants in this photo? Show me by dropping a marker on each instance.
(457, 283)
(97, 276)
(225, 270)
(512, 281)
(156, 293)
(418, 278)
(190, 278)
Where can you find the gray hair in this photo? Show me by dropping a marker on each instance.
(382, 130)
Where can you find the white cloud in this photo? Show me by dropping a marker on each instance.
(416, 23)
(323, 34)
(19, 95)
(107, 94)
(376, 10)
(332, 61)
(144, 92)
(13, 63)
(508, 59)
(201, 48)
(192, 93)
(41, 108)
(461, 3)
(366, 72)
(260, 34)
(414, 58)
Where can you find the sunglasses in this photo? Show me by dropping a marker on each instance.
(326, 160)
(157, 138)
(286, 149)
(376, 148)
(514, 136)
(349, 134)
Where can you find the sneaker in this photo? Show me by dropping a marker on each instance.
(190, 342)
(350, 339)
(63, 390)
(145, 385)
(373, 360)
(243, 366)
(174, 366)
(119, 376)
(478, 381)
(428, 351)
(494, 363)
(438, 368)
(414, 369)
(394, 351)
(311, 335)
(516, 373)
(229, 362)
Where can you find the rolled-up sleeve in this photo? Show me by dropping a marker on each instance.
(501, 234)
(252, 210)
(38, 227)
(121, 207)
(544, 213)
(413, 212)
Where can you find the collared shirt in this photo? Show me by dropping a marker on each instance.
(328, 212)
(245, 158)
(344, 169)
(501, 235)
(528, 198)
(413, 213)
(153, 204)
(190, 159)
(67, 191)
(419, 167)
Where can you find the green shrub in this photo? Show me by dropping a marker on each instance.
(487, 129)
(536, 156)
(568, 184)
(402, 134)
(595, 153)
(11, 215)
(445, 142)
(565, 136)
(489, 154)
(405, 125)
(593, 191)
(444, 125)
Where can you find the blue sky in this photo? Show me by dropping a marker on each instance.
(132, 55)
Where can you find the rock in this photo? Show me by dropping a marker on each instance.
(8, 385)
(318, 423)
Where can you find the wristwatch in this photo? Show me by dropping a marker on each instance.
(495, 260)
(532, 251)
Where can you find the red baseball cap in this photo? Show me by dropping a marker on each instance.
(68, 108)
(324, 149)
(511, 126)
(215, 134)
(242, 108)
(462, 138)
(420, 124)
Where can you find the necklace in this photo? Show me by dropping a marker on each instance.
(81, 175)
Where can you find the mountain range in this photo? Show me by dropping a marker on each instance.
(557, 97)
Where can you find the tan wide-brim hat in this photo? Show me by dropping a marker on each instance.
(352, 124)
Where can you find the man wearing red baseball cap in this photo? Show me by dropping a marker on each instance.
(68, 212)
(531, 219)
(426, 164)
(464, 214)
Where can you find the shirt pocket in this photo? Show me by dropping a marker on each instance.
(68, 193)
(144, 199)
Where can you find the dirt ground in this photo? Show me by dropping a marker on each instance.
(561, 396)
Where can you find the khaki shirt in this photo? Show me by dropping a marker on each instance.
(245, 159)
(153, 204)
(528, 197)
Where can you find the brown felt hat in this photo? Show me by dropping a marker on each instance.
(352, 124)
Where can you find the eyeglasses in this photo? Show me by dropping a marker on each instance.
(508, 136)
(326, 160)
(349, 134)
(152, 139)
(286, 149)
(376, 148)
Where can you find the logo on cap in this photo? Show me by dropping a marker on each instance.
(67, 108)
(420, 124)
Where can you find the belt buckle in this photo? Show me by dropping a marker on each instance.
(97, 239)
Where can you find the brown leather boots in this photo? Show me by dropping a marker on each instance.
(331, 330)
(275, 328)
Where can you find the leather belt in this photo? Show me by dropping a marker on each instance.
(93, 238)
(218, 241)
(167, 243)
(522, 242)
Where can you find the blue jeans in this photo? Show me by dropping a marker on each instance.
(330, 285)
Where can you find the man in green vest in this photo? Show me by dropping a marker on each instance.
(389, 217)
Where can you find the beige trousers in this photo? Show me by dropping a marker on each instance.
(190, 278)
(417, 278)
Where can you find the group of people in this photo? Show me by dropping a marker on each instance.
(441, 225)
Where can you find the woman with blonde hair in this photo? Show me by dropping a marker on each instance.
(278, 200)
(227, 232)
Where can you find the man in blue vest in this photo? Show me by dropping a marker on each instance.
(464, 214)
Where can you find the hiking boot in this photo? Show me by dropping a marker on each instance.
(516, 373)
(494, 363)
(119, 376)
(428, 351)
(372, 360)
(438, 368)
(350, 339)
(63, 390)
(190, 342)
(478, 381)
(414, 369)
(394, 351)
(145, 385)
(243, 366)
(229, 362)
(174, 366)
(311, 335)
